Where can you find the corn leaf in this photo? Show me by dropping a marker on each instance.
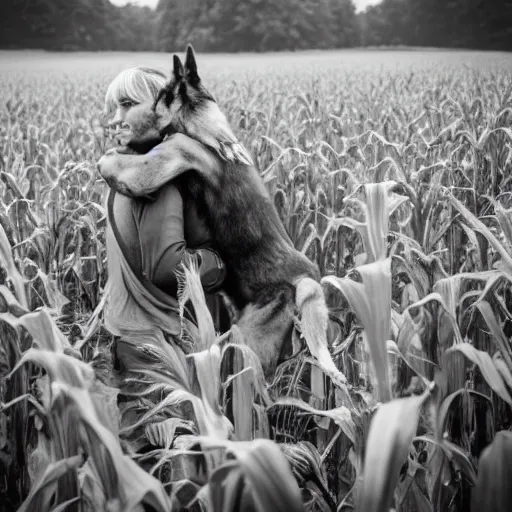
(44, 331)
(43, 490)
(56, 300)
(249, 359)
(504, 371)
(60, 367)
(207, 365)
(226, 486)
(505, 219)
(243, 399)
(341, 415)
(484, 361)
(391, 433)
(191, 289)
(248, 383)
(493, 491)
(176, 397)
(306, 464)
(371, 301)
(7, 261)
(479, 226)
(162, 433)
(168, 360)
(498, 336)
(135, 486)
(63, 506)
(457, 455)
(9, 303)
(379, 207)
(444, 409)
(436, 297)
(270, 477)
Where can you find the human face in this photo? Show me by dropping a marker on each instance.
(134, 122)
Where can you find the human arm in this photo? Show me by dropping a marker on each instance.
(161, 229)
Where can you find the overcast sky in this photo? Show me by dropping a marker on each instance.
(360, 4)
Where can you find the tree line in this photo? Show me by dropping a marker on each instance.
(473, 24)
(254, 25)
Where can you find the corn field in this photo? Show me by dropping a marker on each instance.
(393, 172)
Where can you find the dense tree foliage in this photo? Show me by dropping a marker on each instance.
(253, 25)
(75, 25)
(477, 24)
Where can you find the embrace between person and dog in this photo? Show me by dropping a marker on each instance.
(177, 150)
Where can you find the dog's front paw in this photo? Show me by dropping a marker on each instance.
(107, 164)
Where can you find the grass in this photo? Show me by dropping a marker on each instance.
(391, 170)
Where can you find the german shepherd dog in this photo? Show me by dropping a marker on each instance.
(267, 278)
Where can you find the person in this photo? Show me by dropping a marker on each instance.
(147, 239)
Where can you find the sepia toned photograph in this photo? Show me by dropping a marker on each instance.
(255, 256)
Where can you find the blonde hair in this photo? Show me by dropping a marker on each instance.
(135, 84)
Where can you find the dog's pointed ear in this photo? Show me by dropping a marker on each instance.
(191, 66)
(178, 70)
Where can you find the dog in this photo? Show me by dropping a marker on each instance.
(267, 278)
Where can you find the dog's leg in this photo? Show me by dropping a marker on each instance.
(310, 301)
(140, 175)
(314, 321)
(267, 324)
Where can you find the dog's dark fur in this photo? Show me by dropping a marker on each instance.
(267, 277)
